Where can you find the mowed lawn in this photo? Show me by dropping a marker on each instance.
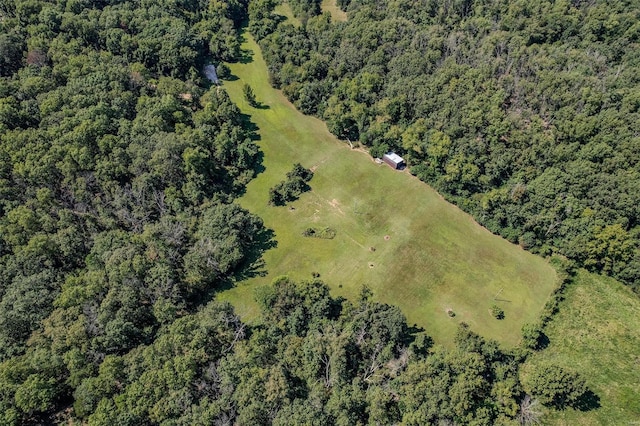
(597, 333)
(394, 233)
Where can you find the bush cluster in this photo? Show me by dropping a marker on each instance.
(324, 233)
(291, 188)
(497, 312)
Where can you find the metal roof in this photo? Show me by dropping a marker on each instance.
(394, 157)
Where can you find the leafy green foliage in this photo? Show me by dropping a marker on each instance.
(592, 334)
(324, 233)
(249, 95)
(525, 115)
(497, 312)
(223, 71)
(117, 224)
(118, 172)
(225, 236)
(532, 335)
(305, 9)
(361, 201)
(291, 188)
(555, 386)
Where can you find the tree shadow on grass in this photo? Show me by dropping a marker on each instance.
(250, 126)
(542, 342)
(246, 56)
(258, 164)
(254, 265)
(418, 341)
(258, 160)
(588, 401)
(415, 329)
(230, 77)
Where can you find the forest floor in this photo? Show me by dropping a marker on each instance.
(596, 334)
(434, 257)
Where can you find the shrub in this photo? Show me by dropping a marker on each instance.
(554, 386)
(324, 233)
(327, 233)
(300, 172)
(291, 188)
(532, 336)
(249, 95)
(497, 312)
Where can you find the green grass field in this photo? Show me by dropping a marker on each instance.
(330, 6)
(284, 9)
(394, 233)
(597, 334)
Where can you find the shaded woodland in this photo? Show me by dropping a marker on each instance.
(119, 165)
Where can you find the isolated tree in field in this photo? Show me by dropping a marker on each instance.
(291, 188)
(300, 172)
(497, 312)
(249, 95)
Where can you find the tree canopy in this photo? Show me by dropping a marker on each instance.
(524, 114)
(120, 164)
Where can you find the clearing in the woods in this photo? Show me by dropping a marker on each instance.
(393, 232)
(330, 6)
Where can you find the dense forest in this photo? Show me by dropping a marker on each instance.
(525, 114)
(119, 166)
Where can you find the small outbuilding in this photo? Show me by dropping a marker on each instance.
(394, 160)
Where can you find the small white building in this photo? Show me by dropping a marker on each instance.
(394, 160)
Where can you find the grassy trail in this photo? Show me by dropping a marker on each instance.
(394, 233)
